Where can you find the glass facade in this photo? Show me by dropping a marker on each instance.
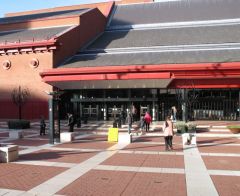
(107, 104)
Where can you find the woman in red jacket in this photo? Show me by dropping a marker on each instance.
(148, 120)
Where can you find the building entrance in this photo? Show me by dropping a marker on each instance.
(111, 104)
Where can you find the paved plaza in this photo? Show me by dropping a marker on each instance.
(91, 165)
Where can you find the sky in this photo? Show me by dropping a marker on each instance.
(8, 6)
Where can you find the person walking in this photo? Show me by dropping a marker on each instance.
(142, 124)
(70, 122)
(129, 121)
(174, 113)
(168, 133)
(42, 126)
(148, 120)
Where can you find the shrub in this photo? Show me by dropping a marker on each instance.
(181, 127)
(18, 124)
(234, 128)
(191, 127)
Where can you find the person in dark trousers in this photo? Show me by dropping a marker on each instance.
(123, 117)
(168, 133)
(42, 126)
(129, 121)
(70, 122)
(142, 124)
(148, 120)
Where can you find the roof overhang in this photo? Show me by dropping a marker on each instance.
(139, 76)
(112, 84)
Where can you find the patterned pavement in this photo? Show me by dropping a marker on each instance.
(93, 166)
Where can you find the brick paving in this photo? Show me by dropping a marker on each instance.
(222, 163)
(140, 168)
(151, 147)
(95, 138)
(107, 183)
(144, 160)
(227, 185)
(58, 156)
(219, 149)
(28, 142)
(25, 177)
(5, 134)
(86, 145)
(219, 140)
(176, 139)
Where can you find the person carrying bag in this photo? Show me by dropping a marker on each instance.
(168, 133)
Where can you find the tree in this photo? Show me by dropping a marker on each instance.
(186, 98)
(19, 98)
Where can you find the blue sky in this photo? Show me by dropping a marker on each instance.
(7, 6)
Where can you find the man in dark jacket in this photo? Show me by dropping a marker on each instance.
(70, 122)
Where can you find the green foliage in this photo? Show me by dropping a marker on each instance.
(18, 124)
(183, 127)
(233, 126)
(191, 127)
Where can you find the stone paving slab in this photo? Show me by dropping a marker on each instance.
(25, 177)
(58, 156)
(146, 160)
(224, 173)
(227, 185)
(213, 131)
(222, 163)
(106, 183)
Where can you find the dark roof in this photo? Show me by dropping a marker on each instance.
(41, 15)
(175, 11)
(30, 34)
(176, 57)
(171, 36)
(195, 43)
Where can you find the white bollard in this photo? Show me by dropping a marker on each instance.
(124, 138)
(16, 134)
(66, 137)
(8, 153)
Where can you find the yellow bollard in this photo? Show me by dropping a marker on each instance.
(113, 134)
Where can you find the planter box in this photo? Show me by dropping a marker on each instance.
(8, 153)
(235, 130)
(189, 139)
(67, 137)
(16, 134)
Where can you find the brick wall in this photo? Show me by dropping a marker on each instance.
(21, 73)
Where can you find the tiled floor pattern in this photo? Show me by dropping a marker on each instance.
(25, 177)
(98, 182)
(144, 165)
